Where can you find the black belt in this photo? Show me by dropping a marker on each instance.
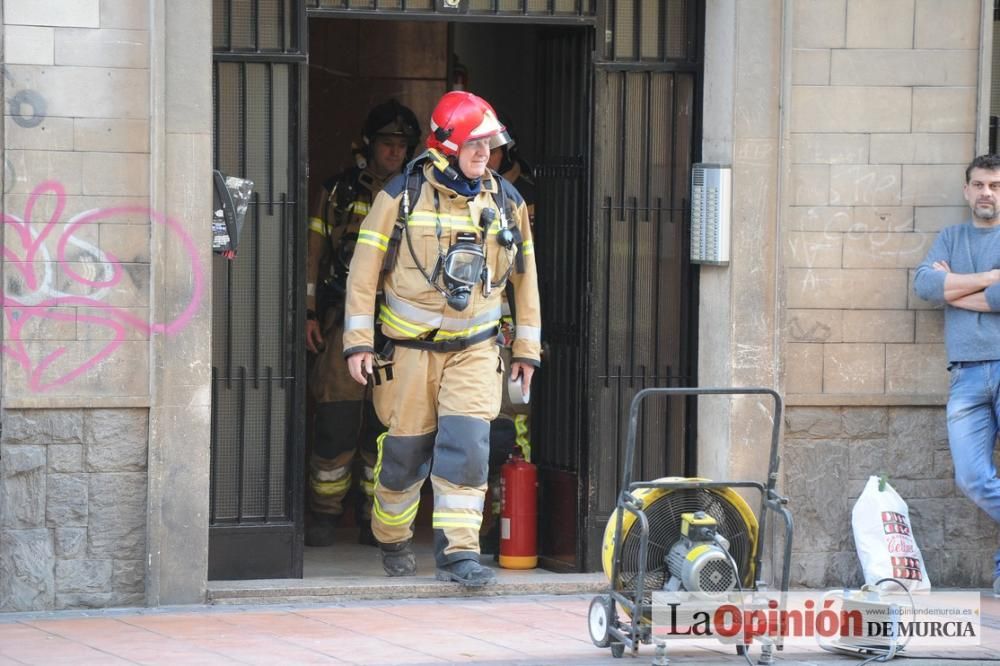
(446, 345)
(965, 364)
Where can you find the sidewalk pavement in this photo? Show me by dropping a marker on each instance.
(543, 629)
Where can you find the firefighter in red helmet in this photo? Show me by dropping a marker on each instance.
(441, 241)
(345, 422)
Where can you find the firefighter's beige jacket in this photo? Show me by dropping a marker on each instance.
(409, 306)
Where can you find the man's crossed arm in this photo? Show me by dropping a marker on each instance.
(967, 290)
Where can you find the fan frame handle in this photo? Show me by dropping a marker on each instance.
(633, 424)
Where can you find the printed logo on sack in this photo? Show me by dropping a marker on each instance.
(906, 568)
(899, 542)
(844, 618)
(894, 523)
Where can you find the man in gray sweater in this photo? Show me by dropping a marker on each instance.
(962, 272)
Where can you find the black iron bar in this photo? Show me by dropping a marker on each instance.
(256, 291)
(646, 453)
(263, 57)
(256, 25)
(283, 307)
(244, 115)
(610, 51)
(674, 148)
(229, 324)
(661, 33)
(659, 266)
(268, 442)
(269, 160)
(666, 376)
(213, 477)
(668, 66)
(283, 24)
(241, 465)
(633, 288)
(607, 293)
(619, 410)
(691, 13)
(680, 209)
(637, 29)
(229, 24)
(647, 128)
(216, 111)
(623, 144)
(300, 26)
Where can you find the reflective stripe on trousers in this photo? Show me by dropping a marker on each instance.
(438, 405)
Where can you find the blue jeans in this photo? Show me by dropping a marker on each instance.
(973, 413)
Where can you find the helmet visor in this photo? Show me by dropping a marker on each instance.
(500, 139)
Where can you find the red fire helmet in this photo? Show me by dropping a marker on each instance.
(461, 116)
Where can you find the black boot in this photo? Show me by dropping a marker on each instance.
(320, 529)
(469, 573)
(398, 559)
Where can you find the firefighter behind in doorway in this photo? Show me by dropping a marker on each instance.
(345, 421)
(509, 163)
(442, 239)
(510, 431)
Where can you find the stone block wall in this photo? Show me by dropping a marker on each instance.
(73, 508)
(106, 371)
(881, 124)
(829, 453)
(77, 140)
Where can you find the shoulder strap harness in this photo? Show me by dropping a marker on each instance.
(414, 179)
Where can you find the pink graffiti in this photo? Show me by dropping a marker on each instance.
(42, 296)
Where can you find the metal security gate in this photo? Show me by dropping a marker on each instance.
(642, 293)
(257, 357)
(558, 419)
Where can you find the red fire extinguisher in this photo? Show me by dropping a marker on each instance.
(518, 514)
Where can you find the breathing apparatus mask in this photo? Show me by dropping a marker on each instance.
(462, 269)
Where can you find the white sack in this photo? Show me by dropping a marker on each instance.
(884, 539)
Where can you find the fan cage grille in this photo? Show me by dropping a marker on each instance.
(664, 515)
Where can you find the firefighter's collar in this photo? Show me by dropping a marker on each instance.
(458, 188)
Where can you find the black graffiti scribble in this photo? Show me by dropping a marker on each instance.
(818, 332)
(28, 98)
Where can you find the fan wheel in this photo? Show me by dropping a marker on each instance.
(599, 620)
(663, 508)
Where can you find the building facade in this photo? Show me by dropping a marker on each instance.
(847, 125)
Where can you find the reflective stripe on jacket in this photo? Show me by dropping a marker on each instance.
(411, 307)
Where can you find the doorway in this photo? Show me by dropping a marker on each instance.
(537, 78)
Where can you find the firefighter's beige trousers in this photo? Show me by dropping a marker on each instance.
(345, 426)
(437, 404)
